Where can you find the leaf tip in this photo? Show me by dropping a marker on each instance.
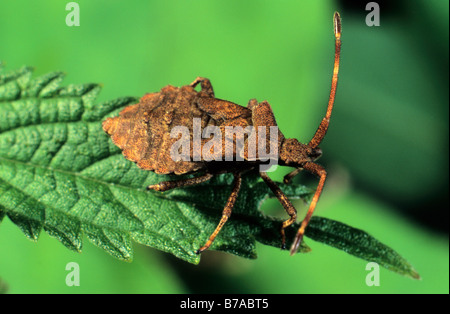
(414, 274)
(128, 259)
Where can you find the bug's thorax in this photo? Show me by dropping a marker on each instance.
(295, 154)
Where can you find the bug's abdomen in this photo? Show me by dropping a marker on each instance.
(142, 131)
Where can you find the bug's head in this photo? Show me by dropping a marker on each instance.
(294, 154)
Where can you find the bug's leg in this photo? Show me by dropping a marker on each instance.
(322, 174)
(290, 209)
(205, 84)
(168, 185)
(288, 178)
(226, 212)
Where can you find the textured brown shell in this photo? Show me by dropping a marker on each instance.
(142, 131)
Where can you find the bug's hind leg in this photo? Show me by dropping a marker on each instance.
(169, 185)
(226, 212)
(290, 209)
(205, 84)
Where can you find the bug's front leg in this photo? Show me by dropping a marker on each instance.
(169, 185)
(226, 212)
(322, 174)
(290, 209)
(205, 84)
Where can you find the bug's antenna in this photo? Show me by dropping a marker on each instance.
(323, 127)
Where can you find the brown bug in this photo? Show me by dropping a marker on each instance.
(143, 132)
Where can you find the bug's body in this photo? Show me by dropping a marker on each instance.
(144, 133)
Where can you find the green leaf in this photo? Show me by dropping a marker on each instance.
(358, 243)
(60, 172)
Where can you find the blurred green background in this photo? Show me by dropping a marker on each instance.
(386, 151)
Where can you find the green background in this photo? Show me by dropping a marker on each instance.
(386, 151)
